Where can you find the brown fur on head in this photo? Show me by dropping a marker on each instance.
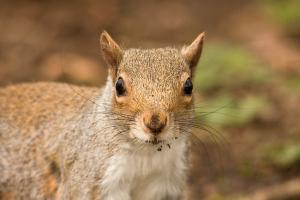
(150, 85)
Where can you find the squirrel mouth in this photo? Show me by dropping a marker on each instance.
(155, 141)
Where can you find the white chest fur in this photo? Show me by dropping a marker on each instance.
(145, 173)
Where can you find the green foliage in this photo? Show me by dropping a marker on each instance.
(249, 107)
(286, 12)
(218, 112)
(284, 155)
(224, 70)
(292, 83)
(225, 110)
(247, 170)
(228, 67)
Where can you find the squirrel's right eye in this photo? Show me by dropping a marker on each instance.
(120, 87)
(188, 87)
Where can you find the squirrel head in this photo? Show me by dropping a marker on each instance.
(152, 88)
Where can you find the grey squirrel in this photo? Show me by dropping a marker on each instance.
(126, 141)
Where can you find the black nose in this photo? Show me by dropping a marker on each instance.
(156, 125)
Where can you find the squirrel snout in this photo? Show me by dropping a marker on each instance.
(155, 122)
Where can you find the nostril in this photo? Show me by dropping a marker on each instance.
(155, 125)
(154, 121)
(156, 129)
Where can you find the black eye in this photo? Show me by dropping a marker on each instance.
(120, 87)
(188, 87)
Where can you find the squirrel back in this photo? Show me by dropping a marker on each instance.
(29, 122)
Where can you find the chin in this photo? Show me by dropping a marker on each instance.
(165, 139)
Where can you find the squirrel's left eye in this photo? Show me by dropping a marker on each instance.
(188, 87)
(120, 87)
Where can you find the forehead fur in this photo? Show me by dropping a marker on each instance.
(156, 71)
(153, 63)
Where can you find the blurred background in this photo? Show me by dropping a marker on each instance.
(247, 84)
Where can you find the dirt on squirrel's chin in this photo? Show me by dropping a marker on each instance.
(155, 141)
(159, 143)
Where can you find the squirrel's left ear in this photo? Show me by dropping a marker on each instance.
(111, 51)
(192, 53)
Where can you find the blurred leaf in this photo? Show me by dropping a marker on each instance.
(218, 110)
(228, 67)
(286, 12)
(293, 83)
(247, 170)
(249, 108)
(228, 111)
(283, 156)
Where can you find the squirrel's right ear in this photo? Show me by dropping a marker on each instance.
(111, 51)
(192, 53)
